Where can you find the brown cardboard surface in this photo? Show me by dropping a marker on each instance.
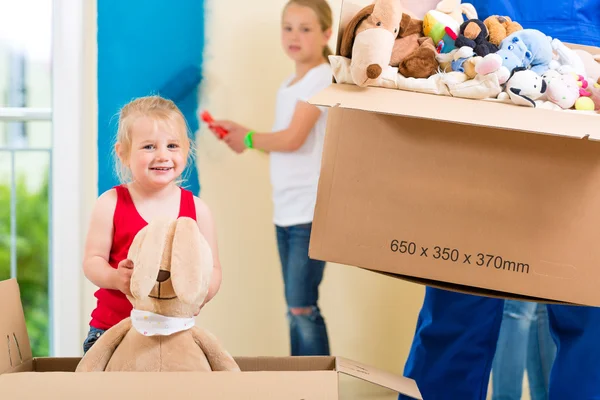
(25, 377)
(14, 341)
(522, 205)
(296, 385)
(481, 113)
(475, 196)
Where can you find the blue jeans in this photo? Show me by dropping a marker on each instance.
(93, 335)
(524, 343)
(302, 277)
(455, 341)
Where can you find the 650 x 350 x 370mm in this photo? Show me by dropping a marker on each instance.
(456, 256)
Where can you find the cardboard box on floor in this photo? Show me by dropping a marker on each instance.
(474, 196)
(310, 378)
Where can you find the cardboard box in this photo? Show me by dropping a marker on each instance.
(475, 196)
(310, 378)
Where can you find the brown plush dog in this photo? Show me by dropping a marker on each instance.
(499, 27)
(170, 280)
(380, 35)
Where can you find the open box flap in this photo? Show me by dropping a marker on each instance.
(487, 113)
(400, 384)
(14, 341)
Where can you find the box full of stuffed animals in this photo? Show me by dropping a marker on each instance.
(152, 375)
(461, 153)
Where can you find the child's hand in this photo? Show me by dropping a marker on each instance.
(235, 136)
(124, 271)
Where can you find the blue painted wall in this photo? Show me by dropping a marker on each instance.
(146, 47)
(574, 21)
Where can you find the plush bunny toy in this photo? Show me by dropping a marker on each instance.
(172, 269)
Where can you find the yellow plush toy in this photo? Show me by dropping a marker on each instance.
(172, 269)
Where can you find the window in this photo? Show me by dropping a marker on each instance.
(25, 155)
(40, 127)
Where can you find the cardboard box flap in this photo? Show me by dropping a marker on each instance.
(486, 113)
(14, 341)
(400, 384)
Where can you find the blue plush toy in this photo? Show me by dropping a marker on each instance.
(527, 48)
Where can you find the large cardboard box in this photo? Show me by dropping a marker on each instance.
(292, 378)
(471, 195)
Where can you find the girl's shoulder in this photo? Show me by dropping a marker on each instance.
(200, 205)
(322, 72)
(110, 195)
(316, 80)
(106, 203)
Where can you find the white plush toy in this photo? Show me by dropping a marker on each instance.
(566, 60)
(456, 9)
(524, 87)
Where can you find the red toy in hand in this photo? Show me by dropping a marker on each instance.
(206, 117)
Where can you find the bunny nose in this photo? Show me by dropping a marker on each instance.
(163, 276)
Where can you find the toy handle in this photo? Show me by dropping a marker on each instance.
(206, 117)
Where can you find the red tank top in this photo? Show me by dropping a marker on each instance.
(112, 305)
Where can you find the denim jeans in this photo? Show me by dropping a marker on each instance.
(93, 335)
(524, 343)
(457, 334)
(302, 277)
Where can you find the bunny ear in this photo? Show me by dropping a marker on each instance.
(136, 245)
(191, 262)
(147, 248)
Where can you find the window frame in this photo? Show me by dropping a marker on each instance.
(67, 200)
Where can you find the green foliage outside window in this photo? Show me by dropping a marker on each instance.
(32, 257)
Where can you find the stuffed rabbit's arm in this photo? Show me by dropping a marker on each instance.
(98, 356)
(217, 356)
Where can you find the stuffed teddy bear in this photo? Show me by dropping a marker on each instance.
(380, 35)
(456, 9)
(414, 53)
(527, 48)
(499, 27)
(171, 275)
(473, 34)
(523, 87)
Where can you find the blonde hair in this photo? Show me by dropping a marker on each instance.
(323, 11)
(160, 110)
